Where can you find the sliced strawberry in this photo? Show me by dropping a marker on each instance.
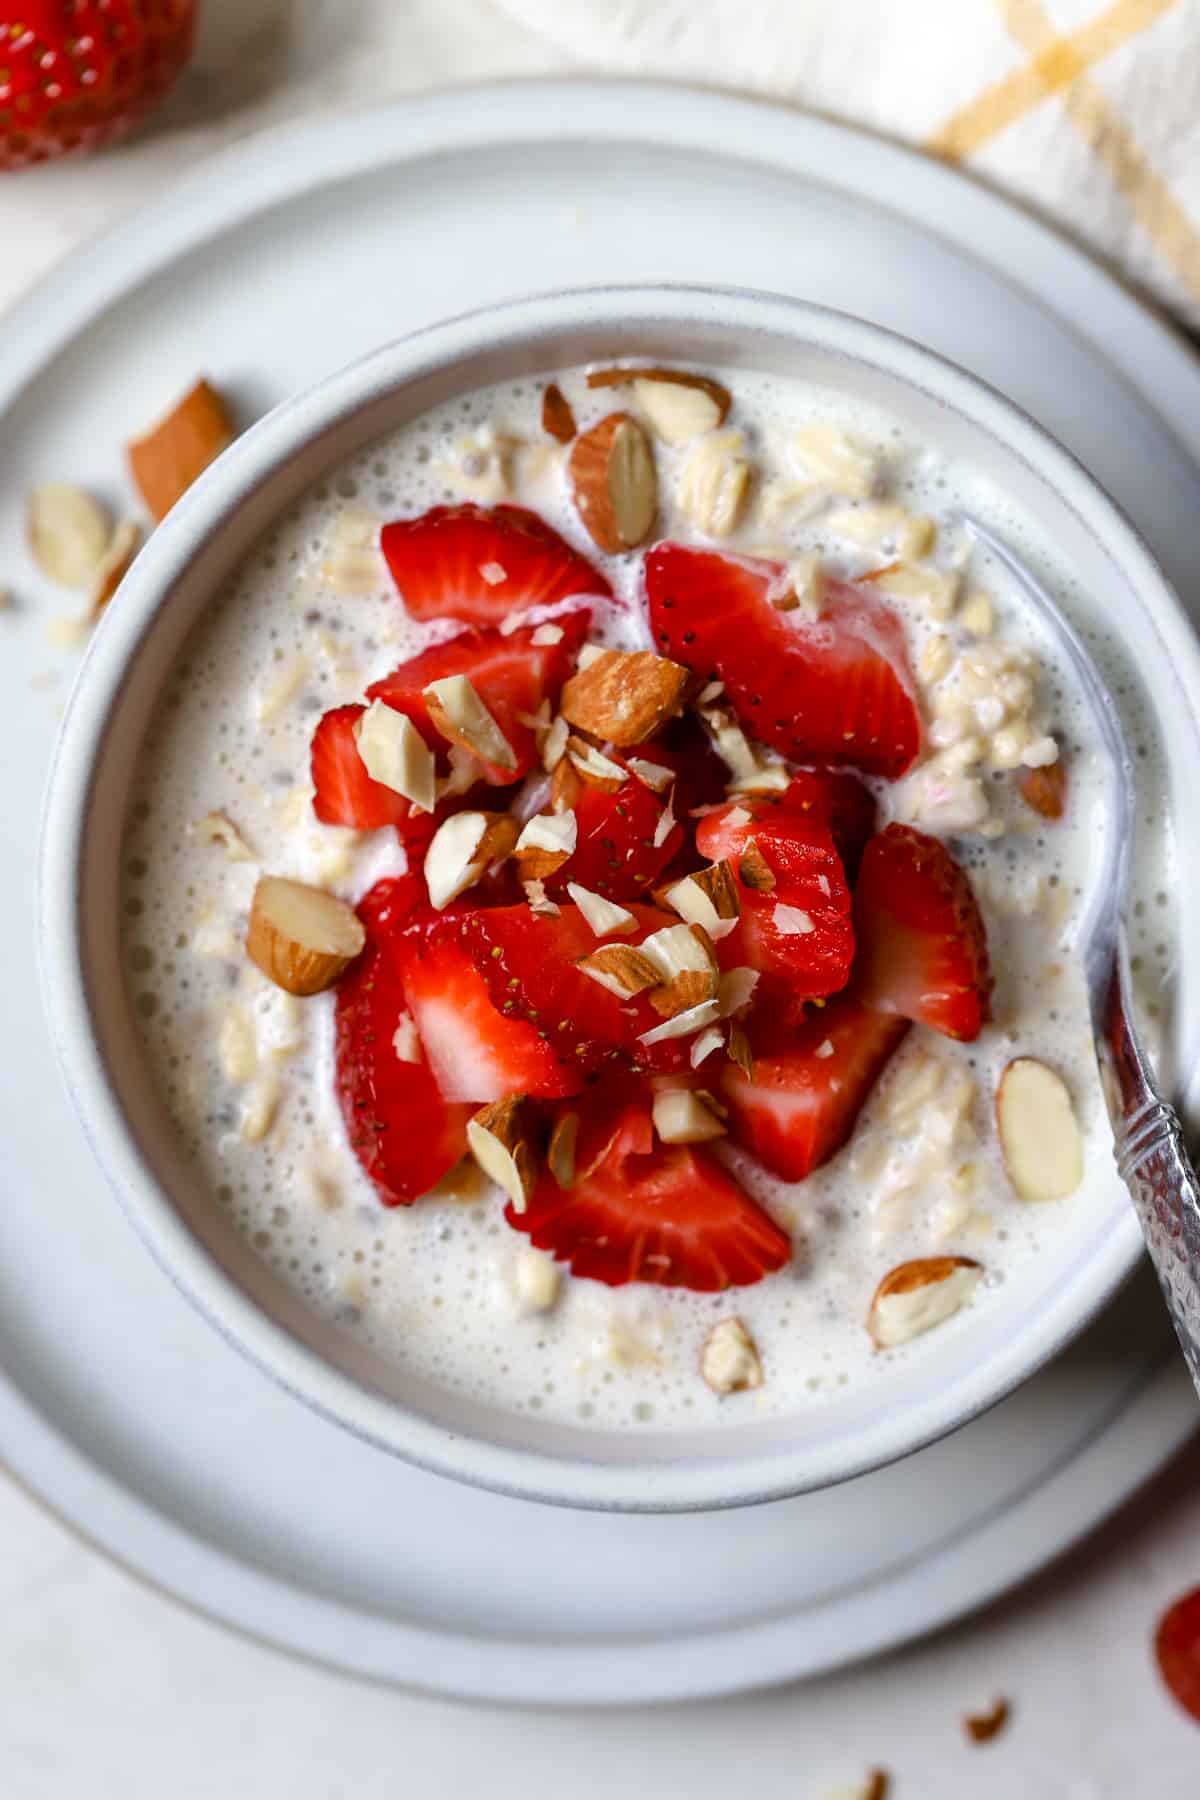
(1177, 1650)
(476, 1053)
(481, 564)
(345, 793)
(615, 853)
(529, 962)
(668, 1215)
(922, 946)
(809, 1085)
(511, 674)
(837, 689)
(830, 797)
(405, 1136)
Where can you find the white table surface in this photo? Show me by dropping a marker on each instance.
(107, 1687)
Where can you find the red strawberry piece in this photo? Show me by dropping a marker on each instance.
(476, 1052)
(837, 689)
(615, 853)
(481, 564)
(798, 933)
(809, 1084)
(511, 674)
(670, 1215)
(1177, 1649)
(922, 947)
(345, 793)
(529, 962)
(404, 1134)
(700, 774)
(76, 74)
(830, 797)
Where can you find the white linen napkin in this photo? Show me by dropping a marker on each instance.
(1089, 112)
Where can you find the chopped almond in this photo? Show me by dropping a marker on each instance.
(621, 969)
(593, 767)
(301, 937)
(707, 897)
(681, 1116)
(754, 871)
(558, 421)
(168, 459)
(625, 696)
(683, 1024)
(566, 785)
(1045, 789)
(462, 849)
(395, 754)
(124, 545)
(546, 842)
(611, 470)
(218, 829)
(500, 1138)
(560, 1151)
(605, 917)
(461, 717)
(656, 776)
(720, 396)
(730, 1362)
(737, 1049)
(687, 965)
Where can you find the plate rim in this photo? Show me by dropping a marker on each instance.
(199, 206)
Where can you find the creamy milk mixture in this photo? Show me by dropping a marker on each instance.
(445, 1286)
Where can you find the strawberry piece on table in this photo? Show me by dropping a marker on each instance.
(922, 946)
(79, 75)
(615, 853)
(405, 1136)
(481, 564)
(669, 1215)
(809, 1085)
(511, 675)
(476, 1052)
(529, 962)
(837, 689)
(1177, 1649)
(830, 797)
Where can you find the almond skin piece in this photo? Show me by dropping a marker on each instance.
(625, 696)
(754, 871)
(737, 1049)
(301, 937)
(168, 459)
(720, 396)
(611, 471)
(1044, 789)
(558, 421)
(124, 546)
(981, 1728)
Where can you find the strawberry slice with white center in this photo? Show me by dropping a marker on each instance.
(404, 1134)
(837, 689)
(476, 1052)
(922, 945)
(510, 673)
(481, 564)
(530, 964)
(665, 1214)
(809, 1085)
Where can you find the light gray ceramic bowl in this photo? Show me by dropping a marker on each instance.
(917, 1396)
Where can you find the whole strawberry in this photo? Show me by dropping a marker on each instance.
(75, 74)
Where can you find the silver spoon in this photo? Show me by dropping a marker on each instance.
(1148, 1143)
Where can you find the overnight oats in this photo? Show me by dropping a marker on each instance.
(600, 897)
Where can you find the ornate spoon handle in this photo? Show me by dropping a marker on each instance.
(1153, 1162)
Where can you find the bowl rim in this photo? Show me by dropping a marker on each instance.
(660, 1486)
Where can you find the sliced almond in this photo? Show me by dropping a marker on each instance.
(749, 772)
(554, 744)
(684, 1024)
(737, 1049)
(1040, 1137)
(625, 696)
(462, 849)
(68, 531)
(718, 397)
(168, 459)
(546, 842)
(1045, 789)
(611, 471)
(682, 949)
(594, 768)
(301, 937)
(681, 1117)
(677, 412)
(123, 546)
(754, 871)
(621, 969)
(730, 1361)
(500, 1138)
(919, 1295)
(560, 1151)
(705, 1044)
(605, 917)
(708, 898)
(736, 990)
(466, 771)
(539, 901)
(656, 776)
(219, 830)
(558, 421)
(394, 753)
(461, 717)
(665, 823)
